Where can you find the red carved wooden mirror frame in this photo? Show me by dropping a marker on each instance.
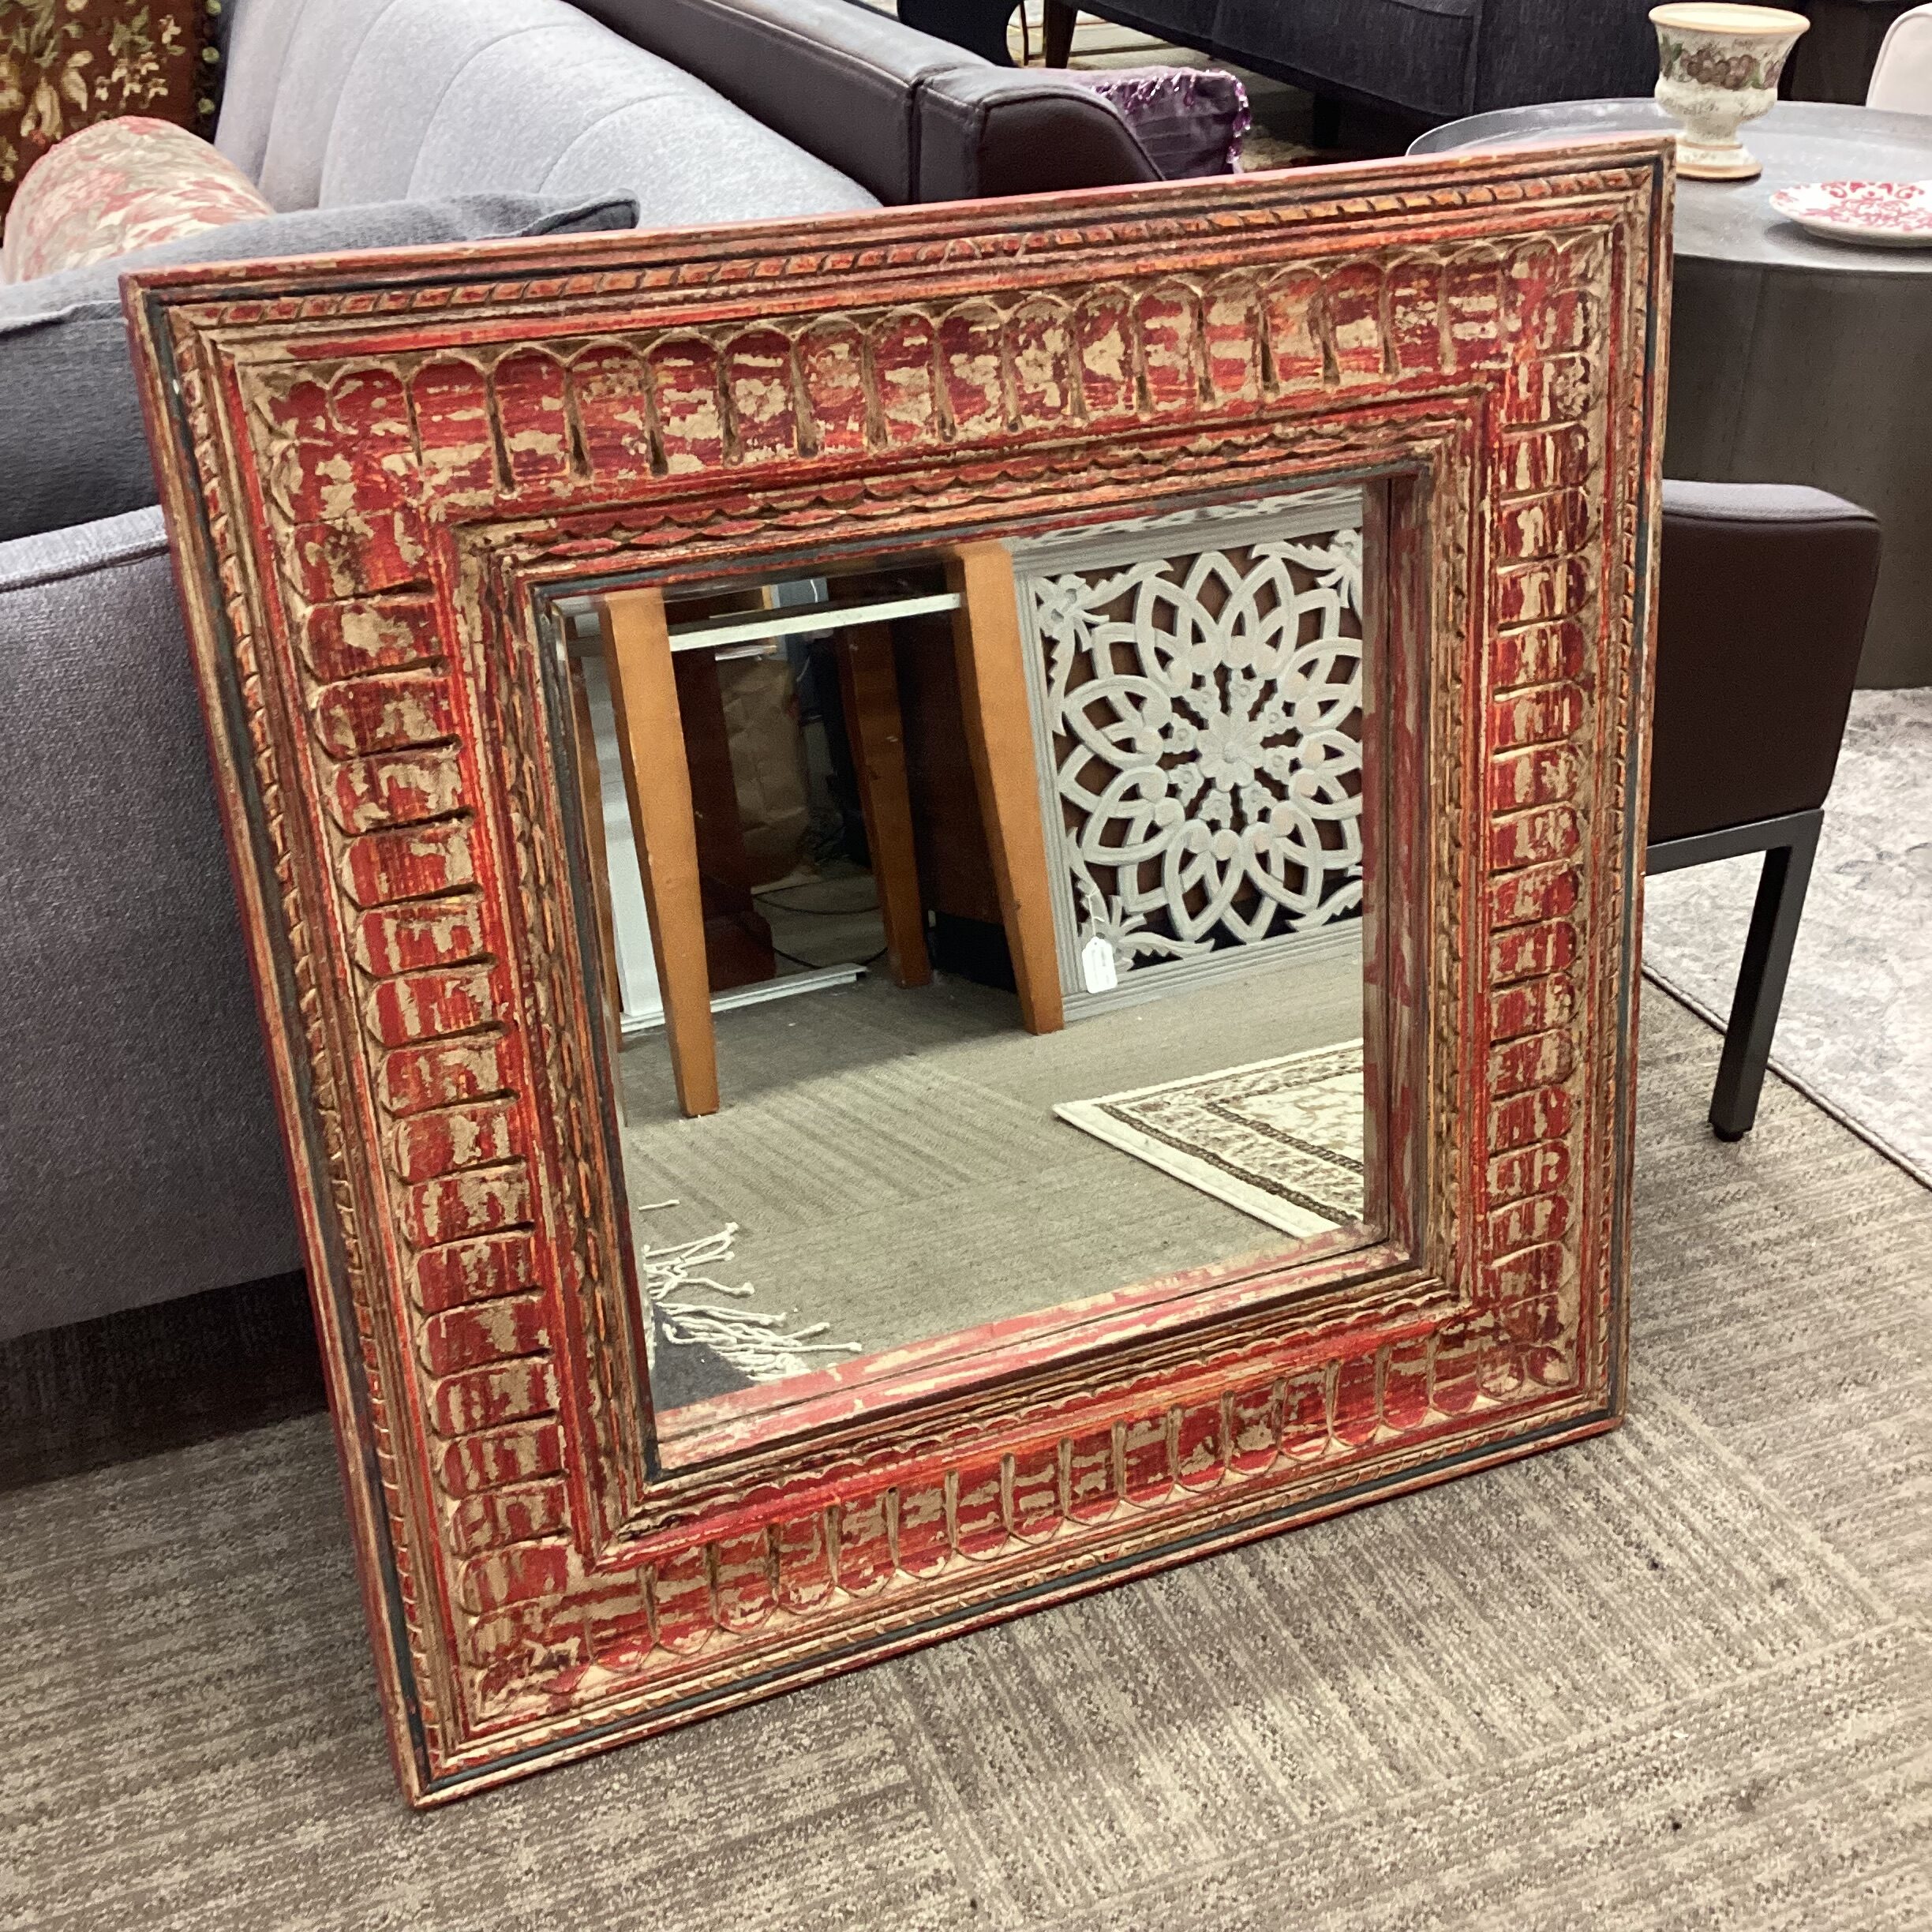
(375, 470)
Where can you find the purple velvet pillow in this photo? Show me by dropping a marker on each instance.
(1190, 120)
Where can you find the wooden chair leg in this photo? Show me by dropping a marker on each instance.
(737, 945)
(590, 798)
(1754, 1006)
(869, 687)
(991, 651)
(650, 734)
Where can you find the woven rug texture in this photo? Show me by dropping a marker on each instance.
(1855, 1032)
(1679, 1676)
(1281, 1140)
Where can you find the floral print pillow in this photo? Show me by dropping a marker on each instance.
(117, 186)
(66, 64)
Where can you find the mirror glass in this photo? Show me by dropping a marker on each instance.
(920, 1146)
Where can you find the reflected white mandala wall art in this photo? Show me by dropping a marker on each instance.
(1197, 692)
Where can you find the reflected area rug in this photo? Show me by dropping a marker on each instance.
(1280, 1139)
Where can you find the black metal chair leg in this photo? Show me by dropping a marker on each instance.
(1760, 993)
(1061, 18)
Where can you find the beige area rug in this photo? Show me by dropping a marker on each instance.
(1281, 1140)
(1677, 1677)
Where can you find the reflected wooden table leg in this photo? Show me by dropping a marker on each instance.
(738, 940)
(999, 729)
(869, 687)
(650, 734)
(590, 798)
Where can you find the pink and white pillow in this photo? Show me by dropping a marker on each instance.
(117, 186)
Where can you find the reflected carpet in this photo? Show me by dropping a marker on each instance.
(1281, 1140)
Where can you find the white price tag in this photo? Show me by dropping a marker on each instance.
(1098, 972)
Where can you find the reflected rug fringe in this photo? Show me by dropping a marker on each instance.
(754, 1343)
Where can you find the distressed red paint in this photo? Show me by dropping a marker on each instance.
(450, 433)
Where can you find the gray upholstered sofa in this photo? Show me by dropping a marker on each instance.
(139, 1155)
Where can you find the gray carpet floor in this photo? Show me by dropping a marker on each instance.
(1680, 1676)
(1856, 1029)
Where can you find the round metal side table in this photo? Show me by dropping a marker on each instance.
(1793, 360)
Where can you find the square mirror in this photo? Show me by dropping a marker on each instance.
(945, 901)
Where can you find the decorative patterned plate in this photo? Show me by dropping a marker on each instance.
(1880, 214)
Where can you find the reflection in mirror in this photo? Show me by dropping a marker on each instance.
(1008, 909)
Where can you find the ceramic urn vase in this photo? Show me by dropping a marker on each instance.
(1718, 68)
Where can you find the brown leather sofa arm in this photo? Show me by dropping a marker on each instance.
(991, 131)
(909, 117)
(839, 81)
(1762, 596)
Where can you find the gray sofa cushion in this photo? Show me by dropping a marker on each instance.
(71, 442)
(321, 48)
(139, 1155)
(255, 37)
(375, 99)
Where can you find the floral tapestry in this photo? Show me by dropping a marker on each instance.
(66, 64)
